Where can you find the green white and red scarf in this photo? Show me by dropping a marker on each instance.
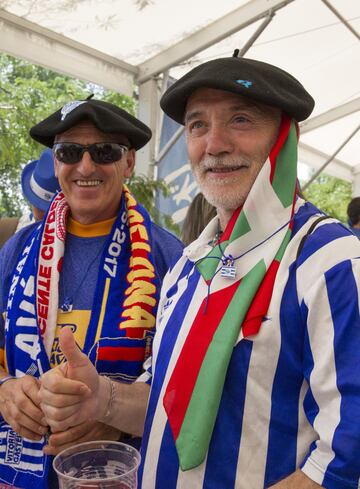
(255, 239)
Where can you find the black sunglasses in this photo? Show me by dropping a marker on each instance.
(102, 153)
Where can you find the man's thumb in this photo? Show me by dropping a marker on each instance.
(73, 354)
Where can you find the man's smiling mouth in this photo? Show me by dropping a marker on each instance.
(88, 183)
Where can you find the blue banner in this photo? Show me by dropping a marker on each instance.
(175, 169)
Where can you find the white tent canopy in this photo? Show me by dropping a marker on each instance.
(118, 44)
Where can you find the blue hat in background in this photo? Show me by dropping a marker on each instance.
(38, 181)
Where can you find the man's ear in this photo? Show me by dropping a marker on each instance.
(56, 166)
(130, 163)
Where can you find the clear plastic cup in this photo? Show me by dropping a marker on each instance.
(98, 464)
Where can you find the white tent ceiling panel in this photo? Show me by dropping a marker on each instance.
(118, 27)
(41, 46)
(331, 115)
(329, 138)
(306, 39)
(315, 159)
(207, 36)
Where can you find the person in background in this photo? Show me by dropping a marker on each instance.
(255, 371)
(353, 212)
(199, 214)
(39, 185)
(95, 264)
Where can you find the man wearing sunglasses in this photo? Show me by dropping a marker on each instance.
(95, 264)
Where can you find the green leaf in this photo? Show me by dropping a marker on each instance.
(330, 194)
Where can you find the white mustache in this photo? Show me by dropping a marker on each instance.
(210, 162)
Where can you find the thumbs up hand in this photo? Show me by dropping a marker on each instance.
(72, 392)
(77, 366)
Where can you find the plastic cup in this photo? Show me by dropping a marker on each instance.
(97, 465)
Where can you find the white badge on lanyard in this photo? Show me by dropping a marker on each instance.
(228, 269)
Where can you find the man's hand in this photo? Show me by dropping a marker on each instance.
(88, 431)
(297, 480)
(19, 405)
(73, 392)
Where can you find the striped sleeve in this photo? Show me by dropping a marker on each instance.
(332, 369)
(146, 376)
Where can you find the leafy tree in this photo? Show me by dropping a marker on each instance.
(28, 94)
(331, 195)
(144, 189)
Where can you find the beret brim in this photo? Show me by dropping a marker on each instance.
(259, 81)
(106, 117)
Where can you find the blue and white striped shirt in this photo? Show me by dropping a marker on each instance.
(292, 393)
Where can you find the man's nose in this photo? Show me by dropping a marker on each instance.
(86, 165)
(218, 141)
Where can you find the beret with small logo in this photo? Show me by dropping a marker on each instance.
(106, 117)
(259, 81)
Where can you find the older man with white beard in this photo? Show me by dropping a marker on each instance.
(255, 373)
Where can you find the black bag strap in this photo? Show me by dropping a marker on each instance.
(309, 231)
(8, 227)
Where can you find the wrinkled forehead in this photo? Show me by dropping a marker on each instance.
(86, 131)
(204, 99)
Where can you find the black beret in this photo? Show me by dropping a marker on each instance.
(259, 81)
(106, 117)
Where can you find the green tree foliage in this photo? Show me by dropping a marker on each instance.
(144, 189)
(330, 194)
(28, 94)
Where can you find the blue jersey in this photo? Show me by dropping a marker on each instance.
(291, 397)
